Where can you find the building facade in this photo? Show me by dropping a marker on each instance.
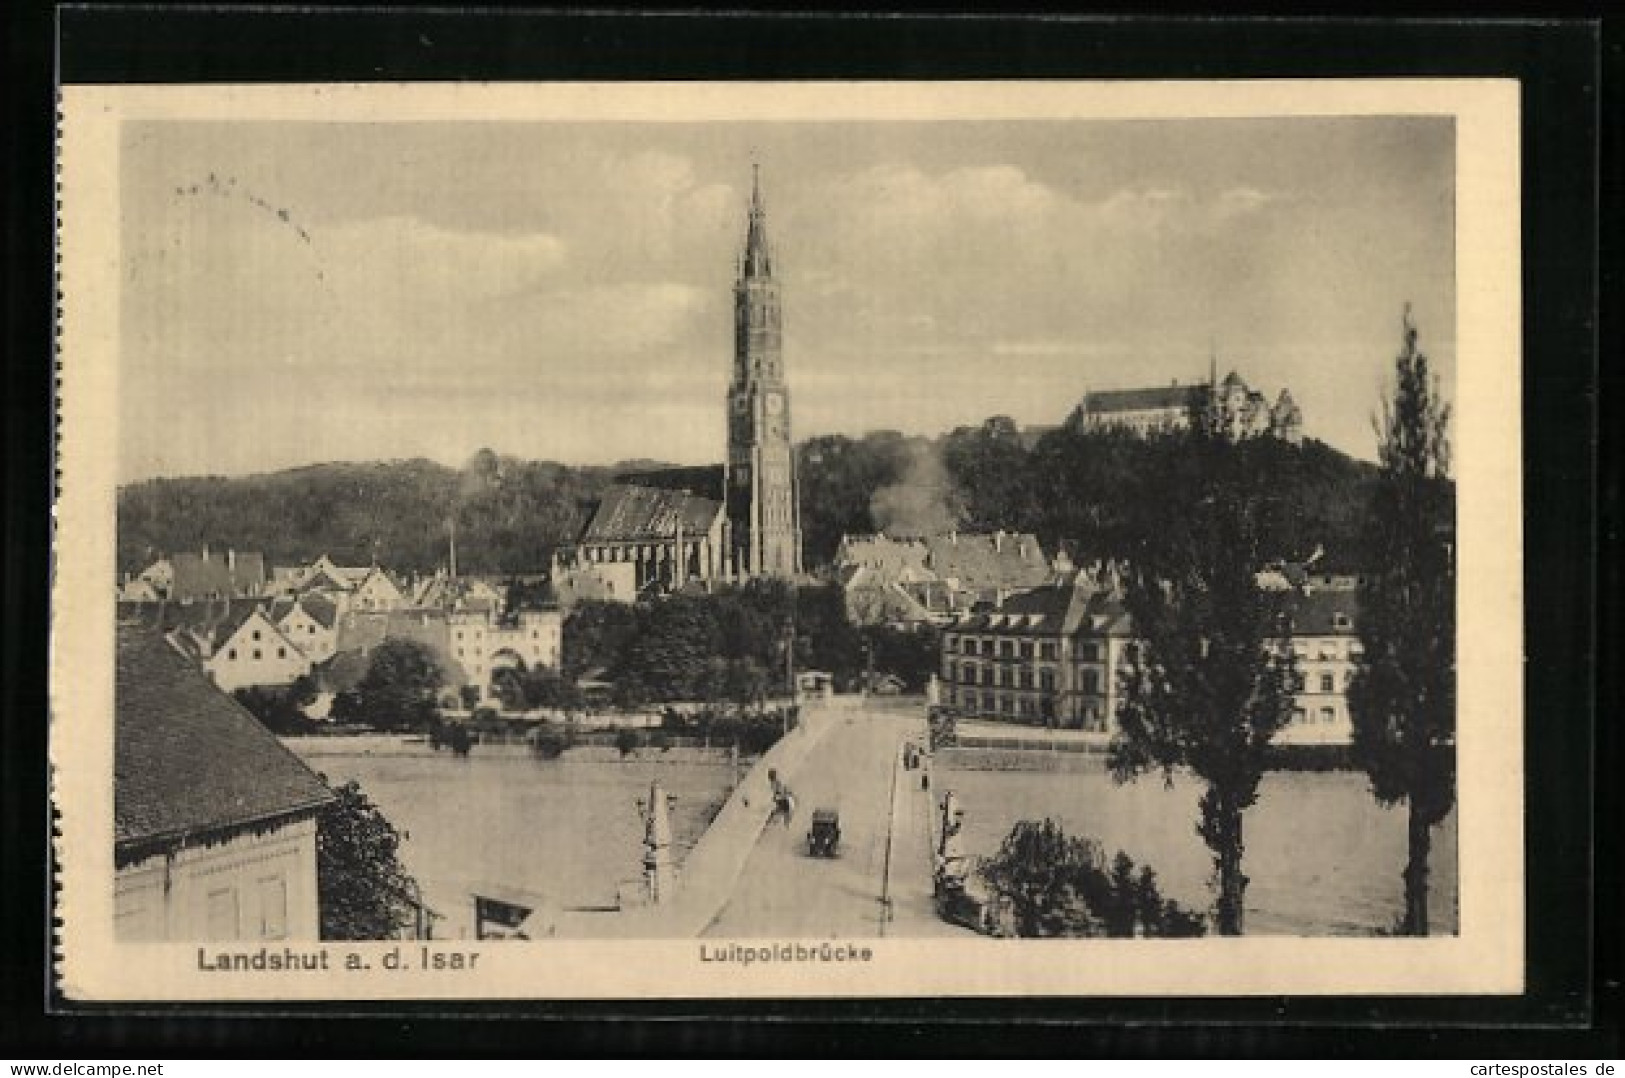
(214, 832)
(1053, 657)
(1230, 408)
(763, 507)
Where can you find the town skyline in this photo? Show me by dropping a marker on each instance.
(562, 292)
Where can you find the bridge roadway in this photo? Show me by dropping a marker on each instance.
(784, 892)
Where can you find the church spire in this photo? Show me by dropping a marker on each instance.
(757, 261)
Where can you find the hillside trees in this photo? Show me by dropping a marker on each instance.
(1403, 696)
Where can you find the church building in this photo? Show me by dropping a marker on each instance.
(702, 526)
(764, 511)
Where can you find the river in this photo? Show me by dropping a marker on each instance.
(1322, 856)
(567, 831)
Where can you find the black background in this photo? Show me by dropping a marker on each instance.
(1570, 1008)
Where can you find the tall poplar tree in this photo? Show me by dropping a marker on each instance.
(1403, 696)
(1209, 679)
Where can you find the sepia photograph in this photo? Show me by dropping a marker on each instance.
(841, 540)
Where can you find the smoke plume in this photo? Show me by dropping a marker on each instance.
(923, 502)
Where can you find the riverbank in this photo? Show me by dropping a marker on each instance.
(399, 745)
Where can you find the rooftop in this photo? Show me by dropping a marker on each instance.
(188, 760)
(635, 514)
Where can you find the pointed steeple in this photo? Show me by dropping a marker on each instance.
(757, 260)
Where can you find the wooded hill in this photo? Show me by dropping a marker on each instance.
(1086, 491)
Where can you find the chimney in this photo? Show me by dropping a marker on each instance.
(231, 559)
(998, 541)
(205, 551)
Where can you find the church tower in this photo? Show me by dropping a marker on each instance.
(764, 514)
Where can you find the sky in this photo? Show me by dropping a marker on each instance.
(296, 292)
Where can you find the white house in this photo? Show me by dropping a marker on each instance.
(310, 623)
(214, 832)
(249, 649)
(377, 592)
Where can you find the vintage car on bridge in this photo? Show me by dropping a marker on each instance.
(824, 837)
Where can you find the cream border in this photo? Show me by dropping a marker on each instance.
(1488, 955)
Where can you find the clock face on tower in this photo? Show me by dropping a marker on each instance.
(775, 403)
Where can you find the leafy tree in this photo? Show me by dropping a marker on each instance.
(398, 690)
(1055, 884)
(1403, 696)
(279, 708)
(1208, 682)
(363, 890)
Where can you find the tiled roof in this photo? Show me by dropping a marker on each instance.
(1055, 609)
(1139, 400)
(217, 576)
(322, 609)
(705, 480)
(880, 551)
(635, 514)
(1000, 560)
(1324, 612)
(341, 672)
(188, 761)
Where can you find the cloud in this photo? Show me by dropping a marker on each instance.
(426, 262)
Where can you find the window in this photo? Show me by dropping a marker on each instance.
(950, 643)
(1299, 715)
(987, 675)
(1328, 714)
(1026, 678)
(1341, 620)
(256, 634)
(282, 653)
(987, 701)
(256, 654)
(273, 908)
(1046, 680)
(1089, 651)
(1007, 649)
(1046, 650)
(1004, 677)
(1005, 706)
(1326, 683)
(1297, 681)
(1026, 649)
(221, 914)
(232, 654)
(1091, 682)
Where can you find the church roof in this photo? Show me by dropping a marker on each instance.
(1140, 400)
(640, 514)
(188, 760)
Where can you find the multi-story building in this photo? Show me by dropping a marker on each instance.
(1326, 648)
(1053, 657)
(1043, 657)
